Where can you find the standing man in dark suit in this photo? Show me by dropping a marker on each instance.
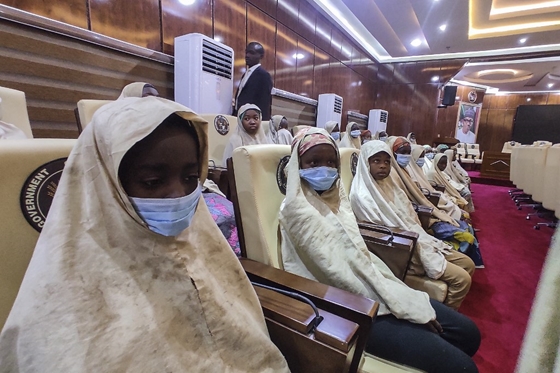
(256, 84)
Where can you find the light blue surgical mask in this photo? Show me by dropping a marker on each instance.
(420, 162)
(383, 138)
(355, 133)
(319, 178)
(403, 160)
(168, 216)
(430, 155)
(335, 135)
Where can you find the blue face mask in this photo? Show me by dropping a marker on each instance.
(168, 216)
(383, 138)
(403, 160)
(319, 178)
(335, 135)
(355, 133)
(420, 162)
(430, 155)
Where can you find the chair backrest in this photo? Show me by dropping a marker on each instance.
(473, 150)
(509, 145)
(551, 192)
(31, 170)
(296, 129)
(257, 168)
(220, 128)
(542, 143)
(537, 164)
(14, 109)
(348, 164)
(86, 109)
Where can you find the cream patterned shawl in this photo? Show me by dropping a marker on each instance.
(103, 293)
(321, 241)
(440, 177)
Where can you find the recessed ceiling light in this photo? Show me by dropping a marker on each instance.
(435, 78)
(187, 2)
(298, 56)
(550, 85)
(416, 42)
(442, 27)
(522, 40)
(528, 99)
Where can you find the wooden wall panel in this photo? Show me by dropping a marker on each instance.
(307, 20)
(286, 69)
(179, 19)
(304, 68)
(136, 22)
(267, 6)
(321, 72)
(287, 13)
(73, 12)
(262, 28)
(323, 33)
(230, 16)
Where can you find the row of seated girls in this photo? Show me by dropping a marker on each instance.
(130, 272)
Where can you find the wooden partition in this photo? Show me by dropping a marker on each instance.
(298, 110)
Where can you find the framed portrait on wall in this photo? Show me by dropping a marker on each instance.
(467, 122)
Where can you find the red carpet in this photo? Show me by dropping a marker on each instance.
(501, 295)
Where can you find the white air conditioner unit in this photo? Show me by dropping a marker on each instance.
(329, 107)
(377, 121)
(203, 74)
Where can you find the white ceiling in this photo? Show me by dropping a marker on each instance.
(475, 29)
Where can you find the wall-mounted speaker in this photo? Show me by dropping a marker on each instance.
(449, 93)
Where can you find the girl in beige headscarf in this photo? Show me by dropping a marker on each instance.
(138, 89)
(334, 130)
(459, 191)
(321, 241)
(130, 273)
(248, 131)
(279, 133)
(454, 169)
(352, 138)
(379, 200)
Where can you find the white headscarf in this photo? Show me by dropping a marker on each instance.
(133, 90)
(348, 141)
(273, 128)
(440, 177)
(383, 202)
(453, 171)
(103, 293)
(446, 202)
(321, 241)
(241, 137)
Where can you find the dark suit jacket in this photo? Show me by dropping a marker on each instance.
(257, 91)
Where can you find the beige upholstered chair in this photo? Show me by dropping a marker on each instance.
(13, 109)
(19, 193)
(551, 192)
(256, 171)
(509, 145)
(86, 109)
(461, 151)
(296, 129)
(220, 128)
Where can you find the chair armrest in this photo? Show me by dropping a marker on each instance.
(355, 308)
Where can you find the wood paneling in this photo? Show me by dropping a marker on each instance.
(136, 22)
(287, 13)
(304, 68)
(179, 19)
(321, 72)
(262, 28)
(230, 16)
(323, 33)
(286, 47)
(307, 19)
(267, 6)
(73, 12)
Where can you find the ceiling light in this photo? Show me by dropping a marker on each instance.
(442, 27)
(550, 85)
(219, 39)
(522, 40)
(298, 56)
(187, 2)
(435, 78)
(528, 99)
(416, 42)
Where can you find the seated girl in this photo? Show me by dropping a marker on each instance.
(352, 138)
(321, 241)
(334, 130)
(438, 175)
(279, 133)
(454, 169)
(376, 198)
(249, 130)
(130, 273)
(138, 89)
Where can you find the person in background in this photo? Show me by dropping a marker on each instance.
(437, 175)
(256, 84)
(130, 273)
(365, 135)
(381, 136)
(376, 198)
(321, 241)
(352, 137)
(333, 129)
(284, 135)
(457, 172)
(138, 89)
(249, 130)
(411, 137)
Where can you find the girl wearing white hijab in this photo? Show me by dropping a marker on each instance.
(352, 138)
(249, 130)
(138, 89)
(333, 129)
(273, 128)
(321, 241)
(453, 188)
(379, 200)
(454, 169)
(279, 123)
(130, 273)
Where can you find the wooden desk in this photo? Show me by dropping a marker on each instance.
(496, 165)
(449, 141)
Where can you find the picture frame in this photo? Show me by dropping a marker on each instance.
(468, 115)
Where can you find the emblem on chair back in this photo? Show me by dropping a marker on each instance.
(221, 125)
(353, 163)
(281, 178)
(38, 191)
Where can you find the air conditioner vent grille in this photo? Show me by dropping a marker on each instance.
(337, 105)
(216, 60)
(383, 117)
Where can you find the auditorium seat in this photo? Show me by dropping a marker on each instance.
(220, 128)
(461, 151)
(19, 160)
(13, 107)
(509, 145)
(296, 129)
(551, 180)
(86, 109)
